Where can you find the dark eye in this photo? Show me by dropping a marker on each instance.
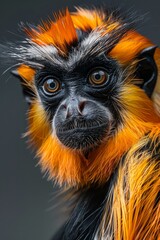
(98, 77)
(51, 86)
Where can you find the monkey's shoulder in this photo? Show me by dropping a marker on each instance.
(136, 197)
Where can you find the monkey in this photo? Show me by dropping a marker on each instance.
(91, 81)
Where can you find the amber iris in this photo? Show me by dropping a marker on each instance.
(98, 77)
(51, 86)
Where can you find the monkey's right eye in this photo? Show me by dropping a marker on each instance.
(51, 86)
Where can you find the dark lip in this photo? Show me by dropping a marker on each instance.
(83, 129)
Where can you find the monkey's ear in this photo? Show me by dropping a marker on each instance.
(147, 70)
(25, 80)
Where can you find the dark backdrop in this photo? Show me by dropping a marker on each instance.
(28, 210)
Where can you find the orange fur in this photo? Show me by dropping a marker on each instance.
(70, 166)
(85, 19)
(63, 164)
(133, 213)
(63, 32)
(129, 47)
(60, 33)
(26, 72)
(136, 217)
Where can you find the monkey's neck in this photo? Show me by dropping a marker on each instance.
(70, 166)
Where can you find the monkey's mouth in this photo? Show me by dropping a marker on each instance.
(83, 138)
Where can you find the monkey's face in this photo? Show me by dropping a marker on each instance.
(88, 78)
(81, 101)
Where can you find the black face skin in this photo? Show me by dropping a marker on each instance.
(82, 112)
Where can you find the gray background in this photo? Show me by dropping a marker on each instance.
(28, 208)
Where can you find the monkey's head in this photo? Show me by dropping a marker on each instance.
(88, 77)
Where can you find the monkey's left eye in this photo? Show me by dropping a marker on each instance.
(98, 77)
(51, 86)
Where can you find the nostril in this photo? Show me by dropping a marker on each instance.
(81, 106)
(68, 113)
(64, 106)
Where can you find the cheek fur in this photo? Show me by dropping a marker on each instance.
(66, 165)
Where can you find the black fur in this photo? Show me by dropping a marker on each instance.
(86, 216)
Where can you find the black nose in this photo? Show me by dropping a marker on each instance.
(74, 107)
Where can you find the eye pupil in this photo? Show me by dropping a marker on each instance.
(97, 76)
(51, 85)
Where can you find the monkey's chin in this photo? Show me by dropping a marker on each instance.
(83, 138)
